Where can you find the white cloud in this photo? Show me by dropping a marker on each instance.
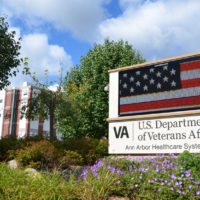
(41, 56)
(161, 28)
(44, 56)
(53, 87)
(81, 17)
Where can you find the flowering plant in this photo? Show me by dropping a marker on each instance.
(154, 178)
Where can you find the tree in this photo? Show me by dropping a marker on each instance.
(9, 53)
(45, 102)
(84, 89)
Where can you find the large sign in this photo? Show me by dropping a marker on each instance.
(154, 107)
(172, 85)
(166, 135)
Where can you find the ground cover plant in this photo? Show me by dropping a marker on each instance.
(16, 185)
(160, 178)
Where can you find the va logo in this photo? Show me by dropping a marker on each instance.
(121, 132)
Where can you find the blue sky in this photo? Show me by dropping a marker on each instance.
(55, 31)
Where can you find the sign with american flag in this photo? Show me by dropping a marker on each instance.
(162, 87)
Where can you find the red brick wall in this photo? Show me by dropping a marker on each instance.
(6, 122)
(8, 101)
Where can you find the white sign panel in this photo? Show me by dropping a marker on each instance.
(166, 135)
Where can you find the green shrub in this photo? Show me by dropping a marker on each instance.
(28, 153)
(35, 138)
(90, 149)
(9, 145)
(38, 154)
(6, 144)
(120, 163)
(189, 160)
(99, 149)
(70, 158)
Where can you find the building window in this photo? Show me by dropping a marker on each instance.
(24, 93)
(1, 100)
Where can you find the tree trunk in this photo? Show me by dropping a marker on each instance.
(51, 126)
(51, 111)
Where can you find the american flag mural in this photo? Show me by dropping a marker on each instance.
(163, 87)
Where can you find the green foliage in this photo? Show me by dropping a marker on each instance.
(158, 179)
(70, 158)
(37, 154)
(6, 144)
(87, 107)
(189, 161)
(96, 149)
(121, 163)
(90, 149)
(99, 183)
(9, 145)
(36, 151)
(15, 184)
(43, 106)
(9, 53)
(45, 103)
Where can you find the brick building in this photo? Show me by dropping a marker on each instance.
(11, 101)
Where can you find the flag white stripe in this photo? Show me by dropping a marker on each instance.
(192, 74)
(173, 94)
(159, 109)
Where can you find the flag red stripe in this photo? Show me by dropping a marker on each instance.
(190, 66)
(180, 102)
(190, 83)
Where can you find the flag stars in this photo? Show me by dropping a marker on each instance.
(173, 72)
(137, 72)
(132, 90)
(145, 76)
(173, 84)
(159, 86)
(151, 70)
(124, 85)
(125, 75)
(165, 79)
(149, 80)
(165, 67)
(145, 88)
(131, 79)
(138, 83)
(152, 81)
(158, 74)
